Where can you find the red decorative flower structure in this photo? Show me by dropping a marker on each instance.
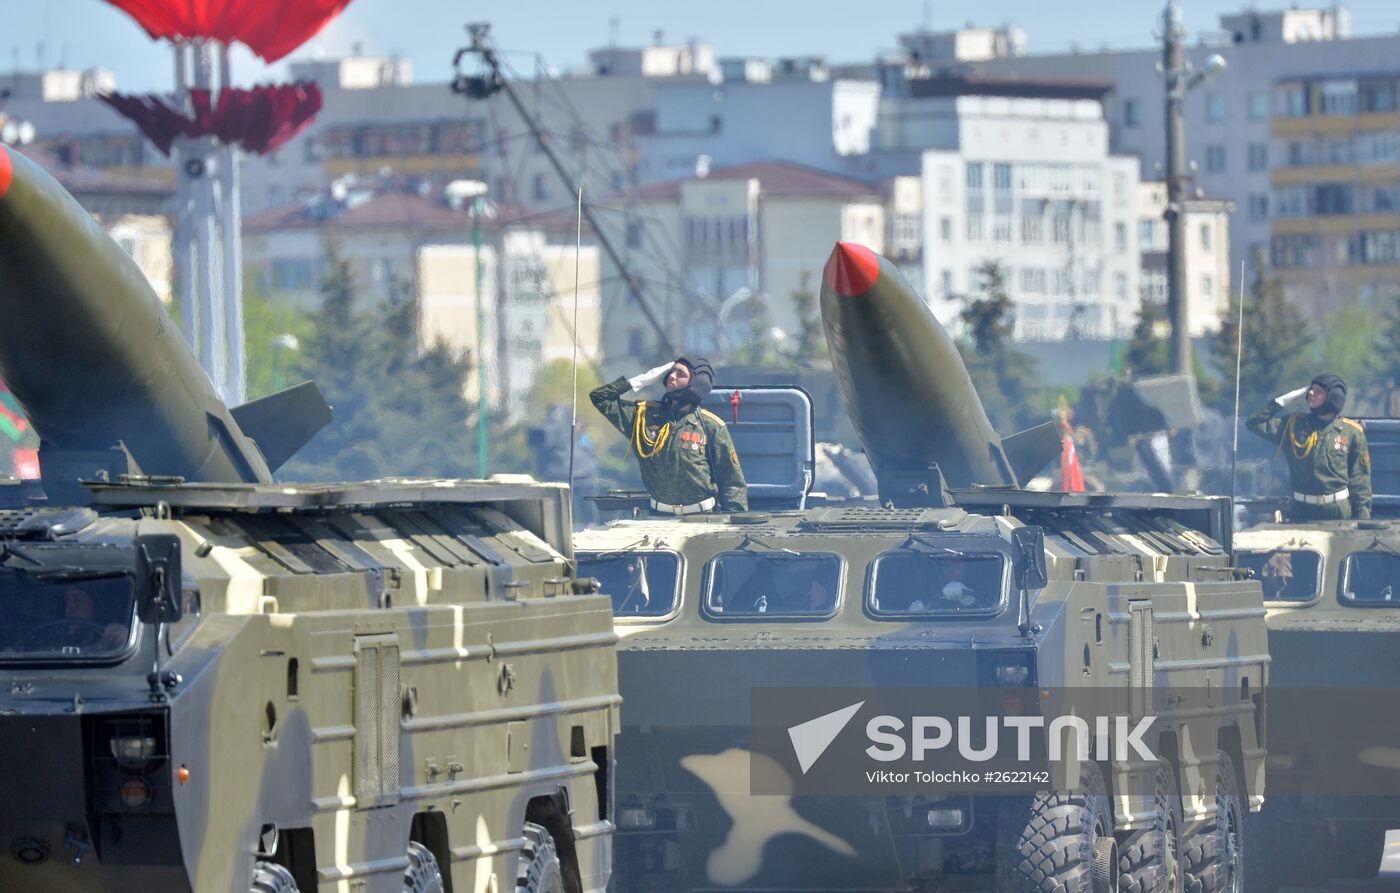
(270, 29)
(258, 119)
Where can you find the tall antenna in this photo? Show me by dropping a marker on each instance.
(1239, 358)
(573, 392)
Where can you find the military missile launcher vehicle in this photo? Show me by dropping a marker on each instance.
(959, 581)
(1332, 590)
(213, 682)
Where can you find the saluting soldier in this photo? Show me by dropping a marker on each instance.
(1329, 466)
(686, 455)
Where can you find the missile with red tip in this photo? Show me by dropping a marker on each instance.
(100, 369)
(907, 390)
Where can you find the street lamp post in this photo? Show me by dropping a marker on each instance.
(476, 191)
(1179, 79)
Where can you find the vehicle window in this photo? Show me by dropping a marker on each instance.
(74, 618)
(641, 584)
(176, 633)
(1288, 575)
(918, 582)
(1371, 578)
(772, 584)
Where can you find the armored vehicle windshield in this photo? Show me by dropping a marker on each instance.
(65, 616)
(1288, 575)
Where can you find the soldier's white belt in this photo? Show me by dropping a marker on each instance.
(694, 508)
(1322, 500)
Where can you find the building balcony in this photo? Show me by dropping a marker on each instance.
(1308, 125)
(1333, 223)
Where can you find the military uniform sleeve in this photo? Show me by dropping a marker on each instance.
(729, 477)
(1359, 475)
(1268, 422)
(607, 399)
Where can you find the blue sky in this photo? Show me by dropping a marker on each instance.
(90, 32)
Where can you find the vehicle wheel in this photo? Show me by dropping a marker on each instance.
(1150, 858)
(1358, 851)
(269, 877)
(539, 870)
(1214, 854)
(422, 874)
(1049, 843)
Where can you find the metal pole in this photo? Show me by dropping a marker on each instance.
(479, 208)
(231, 224)
(1239, 367)
(211, 321)
(1174, 69)
(182, 246)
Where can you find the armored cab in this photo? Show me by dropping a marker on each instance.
(1038, 603)
(1333, 594)
(213, 682)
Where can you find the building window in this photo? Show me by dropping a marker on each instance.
(1215, 159)
(974, 227)
(634, 234)
(1381, 200)
(1258, 106)
(945, 229)
(1338, 97)
(1120, 286)
(1215, 108)
(974, 176)
(1291, 100)
(1033, 281)
(1061, 228)
(1335, 198)
(1120, 237)
(907, 230)
(1378, 95)
(1001, 177)
(1060, 284)
(1147, 234)
(1300, 153)
(1295, 251)
(1002, 228)
(1258, 156)
(1378, 247)
(1291, 201)
(1206, 237)
(1207, 287)
(1132, 112)
(540, 188)
(1258, 207)
(947, 283)
(1032, 229)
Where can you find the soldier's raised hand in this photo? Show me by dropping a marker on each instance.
(649, 377)
(1285, 399)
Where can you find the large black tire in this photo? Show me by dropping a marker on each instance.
(422, 874)
(1048, 843)
(1357, 851)
(1149, 859)
(269, 877)
(539, 870)
(1214, 853)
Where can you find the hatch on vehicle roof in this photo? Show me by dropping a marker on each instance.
(772, 429)
(1383, 440)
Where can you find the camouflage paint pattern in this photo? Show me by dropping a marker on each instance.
(370, 663)
(686, 817)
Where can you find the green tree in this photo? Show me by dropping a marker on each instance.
(809, 341)
(1005, 378)
(399, 409)
(264, 322)
(1149, 350)
(1279, 349)
(1388, 354)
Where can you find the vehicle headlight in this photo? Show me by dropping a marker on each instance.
(133, 749)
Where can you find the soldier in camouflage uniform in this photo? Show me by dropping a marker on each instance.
(1329, 466)
(687, 457)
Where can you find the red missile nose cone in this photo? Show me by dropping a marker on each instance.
(7, 171)
(852, 269)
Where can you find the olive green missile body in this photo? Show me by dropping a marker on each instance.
(907, 390)
(99, 367)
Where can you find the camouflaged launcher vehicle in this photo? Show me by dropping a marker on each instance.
(1332, 589)
(993, 589)
(211, 682)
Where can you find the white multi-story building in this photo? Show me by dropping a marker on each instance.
(1293, 80)
(1020, 173)
(1207, 256)
(714, 254)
